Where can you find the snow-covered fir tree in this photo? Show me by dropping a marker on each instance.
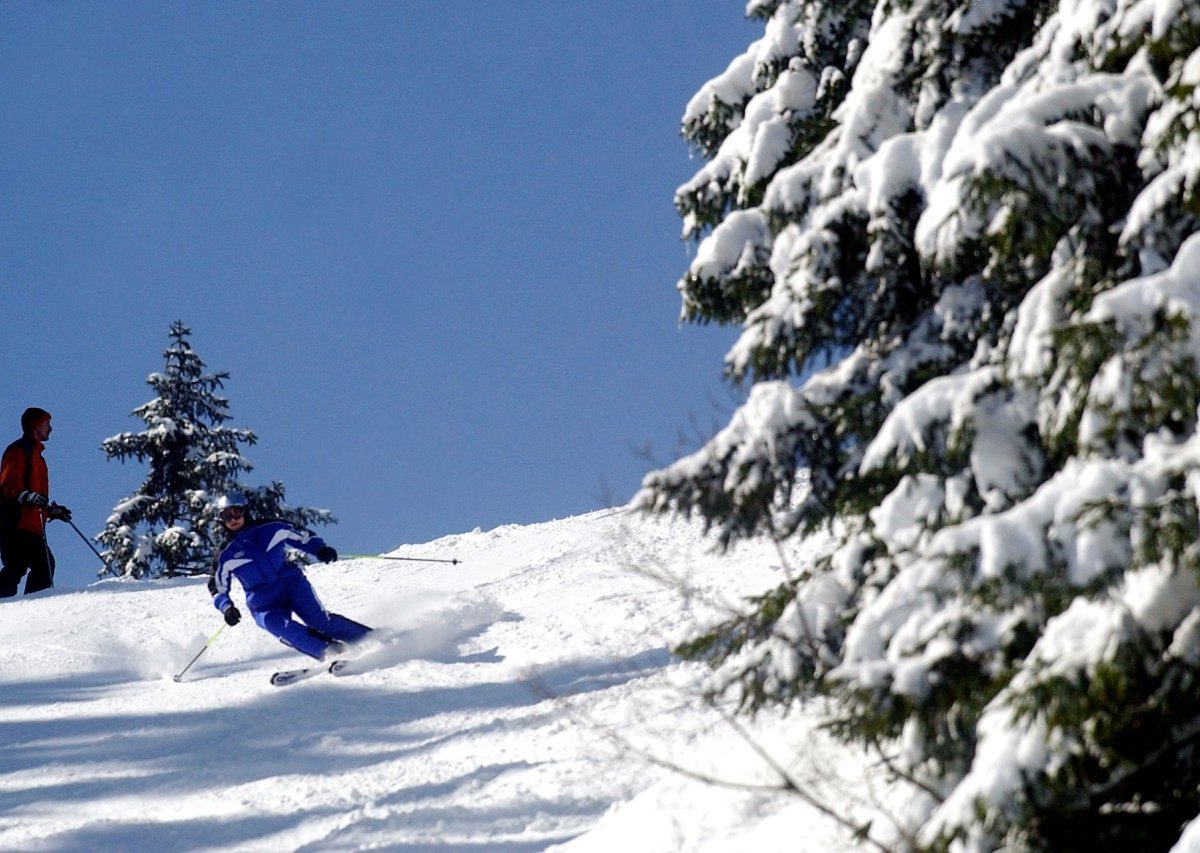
(169, 526)
(960, 240)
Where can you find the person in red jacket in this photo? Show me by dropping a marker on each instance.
(25, 507)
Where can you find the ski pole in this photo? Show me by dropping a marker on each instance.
(88, 541)
(211, 640)
(452, 561)
(46, 545)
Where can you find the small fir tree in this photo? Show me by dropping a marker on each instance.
(169, 526)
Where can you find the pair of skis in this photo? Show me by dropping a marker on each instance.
(290, 676)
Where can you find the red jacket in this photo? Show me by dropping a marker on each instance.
(22, 468)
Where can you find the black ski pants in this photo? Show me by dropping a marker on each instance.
(23, 552)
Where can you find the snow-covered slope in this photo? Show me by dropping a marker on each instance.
(528, 702)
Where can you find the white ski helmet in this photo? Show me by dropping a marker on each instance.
(234, 498)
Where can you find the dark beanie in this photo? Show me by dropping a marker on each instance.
(33, 416)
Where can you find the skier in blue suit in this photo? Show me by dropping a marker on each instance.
(277, 592)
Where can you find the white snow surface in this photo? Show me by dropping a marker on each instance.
(524, 699)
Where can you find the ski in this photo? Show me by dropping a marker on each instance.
(344, 667)
(290, 676)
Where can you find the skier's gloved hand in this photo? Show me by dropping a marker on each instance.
(327, 555)
(232, 615)
(58, 511)
(31, 499)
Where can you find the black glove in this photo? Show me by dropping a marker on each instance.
(232, 615)
(31, 499)
(58, 511)
(327, 554)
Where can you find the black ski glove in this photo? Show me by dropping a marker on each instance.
(58, 511)
(232, 615)
(327, 555)
(31, 499)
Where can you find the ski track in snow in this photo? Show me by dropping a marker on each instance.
(522, 700)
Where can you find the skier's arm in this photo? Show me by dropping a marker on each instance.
(278, 534)
(311, 543)
(218, 583)
(12, 473)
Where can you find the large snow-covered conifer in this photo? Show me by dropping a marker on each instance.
(167, 527)
(960, 241)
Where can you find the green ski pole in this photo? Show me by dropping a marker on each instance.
(452, 561)
(211, 640)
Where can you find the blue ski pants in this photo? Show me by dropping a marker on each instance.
(315, 628)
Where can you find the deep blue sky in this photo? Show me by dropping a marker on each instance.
(433, 243)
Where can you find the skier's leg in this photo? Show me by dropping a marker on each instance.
(15, 558)
(279, 622)
(10, 576)
(308, 607)
(345, 628)
(41, 566)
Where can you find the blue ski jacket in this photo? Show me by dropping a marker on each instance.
(257, 557)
